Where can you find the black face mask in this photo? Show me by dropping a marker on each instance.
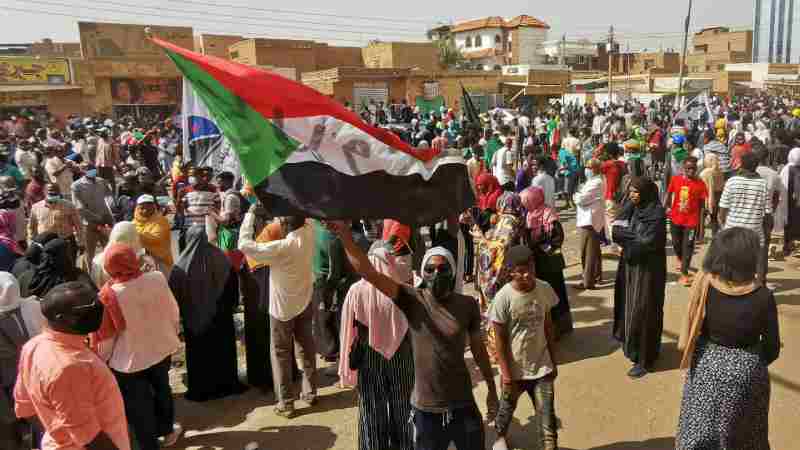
(90, 321)
(441, 283)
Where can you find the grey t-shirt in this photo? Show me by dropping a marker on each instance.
(523, 314)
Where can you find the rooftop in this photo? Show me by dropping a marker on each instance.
(499, 22)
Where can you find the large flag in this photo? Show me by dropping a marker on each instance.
(469, 107)
(203, 141)
(306, 154)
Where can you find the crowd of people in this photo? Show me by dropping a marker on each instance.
(96, 298)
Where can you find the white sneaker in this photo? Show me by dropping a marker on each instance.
(172, 438)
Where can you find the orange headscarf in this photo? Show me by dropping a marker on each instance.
(122, 264)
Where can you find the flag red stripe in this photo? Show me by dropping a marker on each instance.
(286, 98)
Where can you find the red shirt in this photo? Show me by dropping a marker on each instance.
(613, 171)
(689, 195)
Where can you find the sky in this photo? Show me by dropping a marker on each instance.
(640, 24)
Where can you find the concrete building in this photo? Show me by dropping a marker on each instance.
(215, 44)
(581, 54)
(713, 48)
(401, 55)
(643, 62)
(495, 41)
(773, 26)
(302, 56)
(39, 85)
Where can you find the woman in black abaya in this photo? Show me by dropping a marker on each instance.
(641, 278)
(207, 290)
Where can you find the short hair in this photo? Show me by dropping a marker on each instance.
(691, 159)
(52, 186)
(226, 176)
(612, 149)
(710, 134)
(594, 164)
(541, 161)
(62, 298)
(749, 161)
(518, 255)
(731, 255)
(762, 154)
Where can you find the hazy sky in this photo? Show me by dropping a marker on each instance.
(641, 23)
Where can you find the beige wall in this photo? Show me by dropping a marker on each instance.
(64, 103)
(401, 55)
(108, 40)
(215, 44)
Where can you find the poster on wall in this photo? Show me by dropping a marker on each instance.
(146, 91)
(34, 70)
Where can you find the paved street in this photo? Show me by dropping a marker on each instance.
(599, 407)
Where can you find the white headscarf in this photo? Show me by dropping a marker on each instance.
(122, 233)
(10, 298)
(436, 251)
(782, 211)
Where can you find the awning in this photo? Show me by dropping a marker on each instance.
(38, 87)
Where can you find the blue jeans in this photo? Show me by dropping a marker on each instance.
(435, 431)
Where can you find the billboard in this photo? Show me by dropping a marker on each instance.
(112, 40)
(23, 69)
(144, 91)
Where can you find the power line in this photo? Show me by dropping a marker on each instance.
(188, 18)
(213, 30)
(308, 13)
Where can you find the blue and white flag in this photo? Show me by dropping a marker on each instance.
(203, 141)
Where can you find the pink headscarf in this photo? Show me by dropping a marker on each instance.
(540, 218)
(366, 304)
(8, 228)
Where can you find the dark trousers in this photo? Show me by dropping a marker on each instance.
(327, 320)
(286, 338)
(435, 431)
(148, 403)
(591, 256)
(542, 395)
(683, 245)
(763, 266)
(469, 257)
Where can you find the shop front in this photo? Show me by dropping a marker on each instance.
(145, 97)
(40, 100)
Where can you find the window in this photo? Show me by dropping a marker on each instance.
(234, 54)
(478, 42)
(468, 42)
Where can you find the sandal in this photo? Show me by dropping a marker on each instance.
(311, 399)
(287, 412)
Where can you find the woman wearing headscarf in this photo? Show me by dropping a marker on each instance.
(787, 215)
(33, 254)
(714, 180)
(154, 232)
(727, 390)
(20, 320)
(374, 334)
(55, 267)
(489, 191)
(10, 250)
(641, 277)
(544, 235)
(137, 337)
(504, 234)
(207, 291)
(122, 233)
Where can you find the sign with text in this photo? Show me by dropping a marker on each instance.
(34, 70)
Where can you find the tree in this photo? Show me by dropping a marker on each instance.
(449, 55)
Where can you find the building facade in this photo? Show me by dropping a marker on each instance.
(494, 41)
(581, 54)
(401, 55)
(773, 28)
(301, 56)
(713, 48)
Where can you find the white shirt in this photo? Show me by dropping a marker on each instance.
(774, 184)
(503, 165)
(152, 324)
(26, 161)
(591, 204)
(548, 185)
(291, 278)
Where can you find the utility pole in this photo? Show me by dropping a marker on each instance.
(610, 65)
(628, 71)
(563, 49)
(683, 58)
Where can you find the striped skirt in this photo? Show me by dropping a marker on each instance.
(725, 400)
(384, 388)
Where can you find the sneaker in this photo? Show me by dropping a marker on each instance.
(286, 411)
(637, 371)
(172, 438)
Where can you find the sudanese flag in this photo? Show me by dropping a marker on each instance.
(306, 154)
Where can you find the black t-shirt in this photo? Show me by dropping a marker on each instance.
(439, 332)
(744, 321)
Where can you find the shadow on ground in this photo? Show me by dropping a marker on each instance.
(650, 444)
(302, 437)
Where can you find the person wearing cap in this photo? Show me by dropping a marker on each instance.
(154, 232)
(89, 195)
